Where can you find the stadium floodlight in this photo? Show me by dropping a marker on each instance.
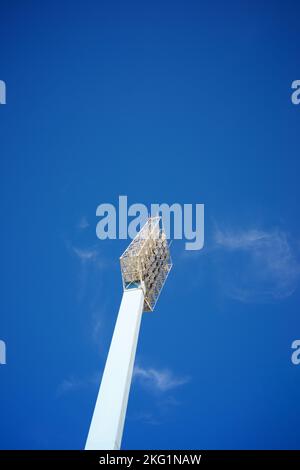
(145, 265)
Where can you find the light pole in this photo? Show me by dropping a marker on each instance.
(145, 265)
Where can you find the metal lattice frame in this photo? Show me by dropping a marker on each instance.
(147, 260)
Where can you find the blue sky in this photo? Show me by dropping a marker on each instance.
(178, 101)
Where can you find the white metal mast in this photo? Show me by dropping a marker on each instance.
(145, 266)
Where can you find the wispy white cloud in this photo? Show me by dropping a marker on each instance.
(91, 264)
(85, 254)
(74, 384)
(146, 417)
(83, 223)
(88, 256)
(241, 240)
(97, 325)
(261, 266)
(162, 381)
(159, 380)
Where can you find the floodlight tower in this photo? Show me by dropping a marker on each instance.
(145, 265)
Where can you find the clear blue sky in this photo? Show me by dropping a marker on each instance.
(182, 101)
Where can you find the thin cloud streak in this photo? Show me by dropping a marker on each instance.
(159, 380)
(260, 266)
(89, 254)
(241, 240)
(83, 223)
(73, 384)
(85, 254)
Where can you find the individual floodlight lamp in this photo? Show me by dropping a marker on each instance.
(145, 265)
